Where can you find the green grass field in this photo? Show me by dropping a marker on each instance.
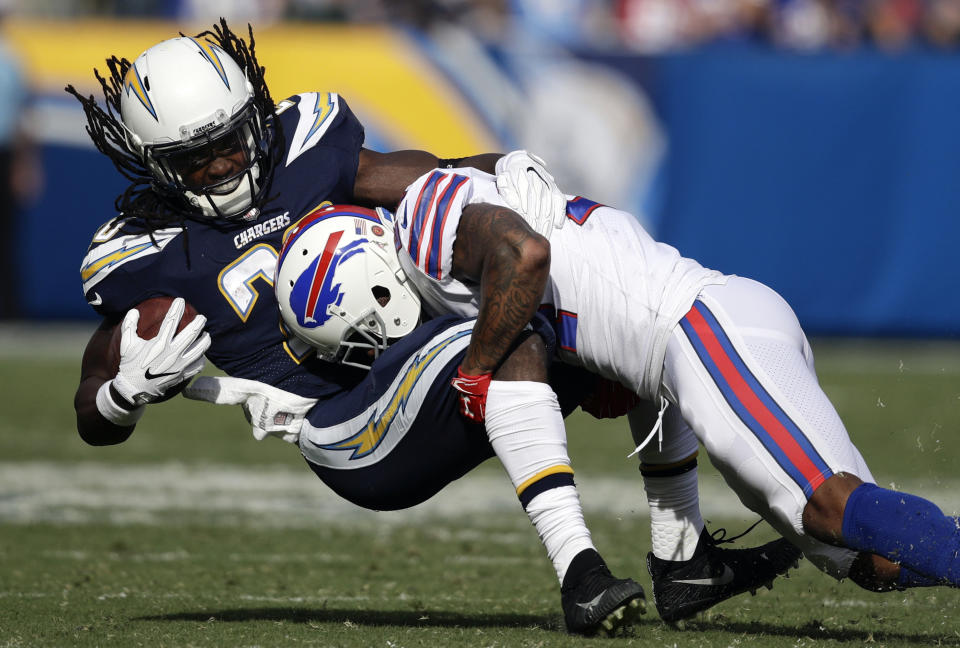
(194, 534)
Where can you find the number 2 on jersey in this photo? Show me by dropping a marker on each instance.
(236, 281)
(237, 285)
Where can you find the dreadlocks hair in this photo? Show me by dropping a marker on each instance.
(149, 205)
(246, 57)
(141, 199)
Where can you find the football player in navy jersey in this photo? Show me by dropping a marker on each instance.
(218, 171)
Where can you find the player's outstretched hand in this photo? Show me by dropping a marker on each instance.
(271, 411)
(149, 368)
(528, 189)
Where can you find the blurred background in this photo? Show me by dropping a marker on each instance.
(811, 144)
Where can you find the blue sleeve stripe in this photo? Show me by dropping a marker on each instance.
(567, 330)
(579, 209)
(564, 325)
(421, 210)
(433, 268)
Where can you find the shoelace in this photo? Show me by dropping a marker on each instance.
(657, 427)
(719, 536)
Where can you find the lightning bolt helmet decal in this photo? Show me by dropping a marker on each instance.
(132, 83)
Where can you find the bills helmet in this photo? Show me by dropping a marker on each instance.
(185, 102)
(340, 285)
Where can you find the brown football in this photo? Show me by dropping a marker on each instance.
(152, 312)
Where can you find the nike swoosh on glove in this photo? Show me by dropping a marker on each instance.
(148, 368)
(528, 189)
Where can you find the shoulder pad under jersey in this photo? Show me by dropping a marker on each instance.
(310, 118)
(111, 249)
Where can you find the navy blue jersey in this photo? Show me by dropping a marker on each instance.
(226, 269)
(398, 437)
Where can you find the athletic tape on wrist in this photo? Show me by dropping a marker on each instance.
(113, 411)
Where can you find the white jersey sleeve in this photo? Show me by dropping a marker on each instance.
(426, 227)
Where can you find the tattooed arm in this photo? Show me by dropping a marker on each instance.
(496, 249)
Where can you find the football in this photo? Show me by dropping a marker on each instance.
(152, 312)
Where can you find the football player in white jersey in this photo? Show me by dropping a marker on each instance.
(328, 274)
(725, 355)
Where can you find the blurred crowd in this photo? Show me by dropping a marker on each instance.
(658, 25)
(649, 26)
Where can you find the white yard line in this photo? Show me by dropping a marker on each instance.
(275, 497)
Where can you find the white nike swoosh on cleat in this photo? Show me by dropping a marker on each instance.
(722, 579)
(590, 604)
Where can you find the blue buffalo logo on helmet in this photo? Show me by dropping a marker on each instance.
(314, 291)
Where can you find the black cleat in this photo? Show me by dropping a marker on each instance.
(683, 588)
(594, 601)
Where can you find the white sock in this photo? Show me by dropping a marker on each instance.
(525, 428)
(670, 480)
(675, 522)
(558, 518)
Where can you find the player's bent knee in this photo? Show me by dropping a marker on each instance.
(823, 513)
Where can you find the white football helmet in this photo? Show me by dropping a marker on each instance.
(184, 102)
(340, 285)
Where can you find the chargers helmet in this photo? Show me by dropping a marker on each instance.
(184, 102)
(340, 285)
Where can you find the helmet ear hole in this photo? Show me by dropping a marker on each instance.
(381, 294)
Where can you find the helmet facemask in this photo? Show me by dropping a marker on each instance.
(242, 138)
(362, 342)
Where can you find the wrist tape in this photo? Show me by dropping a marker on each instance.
(115, 411)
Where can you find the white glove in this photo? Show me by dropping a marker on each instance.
(271, 411)
(148, 368)
(525, 185)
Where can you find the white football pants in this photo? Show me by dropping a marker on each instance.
(740, 370)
